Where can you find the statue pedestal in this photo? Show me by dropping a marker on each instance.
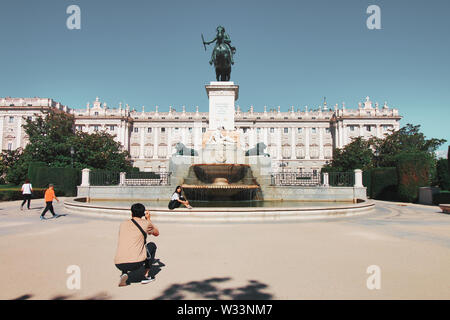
(222, 153)
(222, 95)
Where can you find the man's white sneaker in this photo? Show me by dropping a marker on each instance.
(189, 207)
(147, 279)
(123, 280)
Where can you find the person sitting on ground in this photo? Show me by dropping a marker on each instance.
(132, 251)
(177, 200)
(49, 196)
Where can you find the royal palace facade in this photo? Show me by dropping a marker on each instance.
(297, 140)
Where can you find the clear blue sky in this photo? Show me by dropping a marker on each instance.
(288, 53)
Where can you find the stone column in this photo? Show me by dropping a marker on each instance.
(293, 143)
(279, 156)
(197, 136)
(122, 178)
(344, 134)
(183, 135)
(266, 142)
(142, 142)
(155, 142)
(326, 182)
(358, 178)
(85, 177)
(379, 134)
(126, 135)
(341, 135)
(251, 141)
(169, 142)
(321, 156)
(2, 119)
(307, 142)
(336, 135)
(19, 132)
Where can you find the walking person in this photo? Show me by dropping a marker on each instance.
(177, 200)
(132, 250)
(27, 190)
(49, 196)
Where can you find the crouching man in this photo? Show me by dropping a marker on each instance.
(132, 250)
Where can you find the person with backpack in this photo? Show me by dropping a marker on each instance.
(132, 251)
(177, 200)
(27, 189)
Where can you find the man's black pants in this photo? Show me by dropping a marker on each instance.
(133, 266)
(26, 197)
(49, 206)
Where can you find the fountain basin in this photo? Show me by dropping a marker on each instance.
(224, 215)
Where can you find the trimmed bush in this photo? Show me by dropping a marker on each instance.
(443, 175)
(441, 198)
(367, 182)
(11, 194)
(413, 171)
(64, 179)
(384, 183)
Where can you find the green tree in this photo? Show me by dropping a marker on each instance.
(50, 140)
(99, 151)
(356, 155)
(408, 139)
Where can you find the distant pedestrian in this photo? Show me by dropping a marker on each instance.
(27, 190)
(49, 196)
(132, 250)
(177, 200)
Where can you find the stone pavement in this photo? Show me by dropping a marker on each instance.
(323, 259)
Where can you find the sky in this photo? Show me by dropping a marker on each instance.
(289, 53)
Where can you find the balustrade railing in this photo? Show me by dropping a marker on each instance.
(147, 179)
(341, 179)
(295, 179)
(104, 178)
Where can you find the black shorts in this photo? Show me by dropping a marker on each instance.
(175, 203)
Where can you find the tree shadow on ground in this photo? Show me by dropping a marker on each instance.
(208, 289)
(98, 296)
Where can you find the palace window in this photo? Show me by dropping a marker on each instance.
(203, 130)
(95, 128)
(313, 130)
(190, 130)
(149, 130)
(299, 130)
(258, 130)
(163, 129)
(369, 128)
(136, 129)
(11, 119)
(327, 130)
(30, 118)
(286, 130)
(272, 130)
(111, 128)
(9, 146)
(95, 113)
(352, 128)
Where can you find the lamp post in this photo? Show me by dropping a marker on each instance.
(72, 152)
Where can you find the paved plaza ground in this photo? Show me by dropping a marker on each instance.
(322, 259)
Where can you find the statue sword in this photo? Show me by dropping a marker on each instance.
(203, 41)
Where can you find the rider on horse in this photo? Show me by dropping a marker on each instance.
(221, 37)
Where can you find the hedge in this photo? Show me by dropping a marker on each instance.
(443, 175)
(413, 170)
(384, 183)
(9, 194)
(441, 198)
(64, 179)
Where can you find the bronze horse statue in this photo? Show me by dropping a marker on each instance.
(222, 55)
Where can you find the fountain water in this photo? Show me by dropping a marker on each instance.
(221, 182)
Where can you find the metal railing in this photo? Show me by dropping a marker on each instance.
(341, 179)
(104, 178)
(295, 179)
(147, 179)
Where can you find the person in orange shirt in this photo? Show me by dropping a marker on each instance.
(49, 196)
